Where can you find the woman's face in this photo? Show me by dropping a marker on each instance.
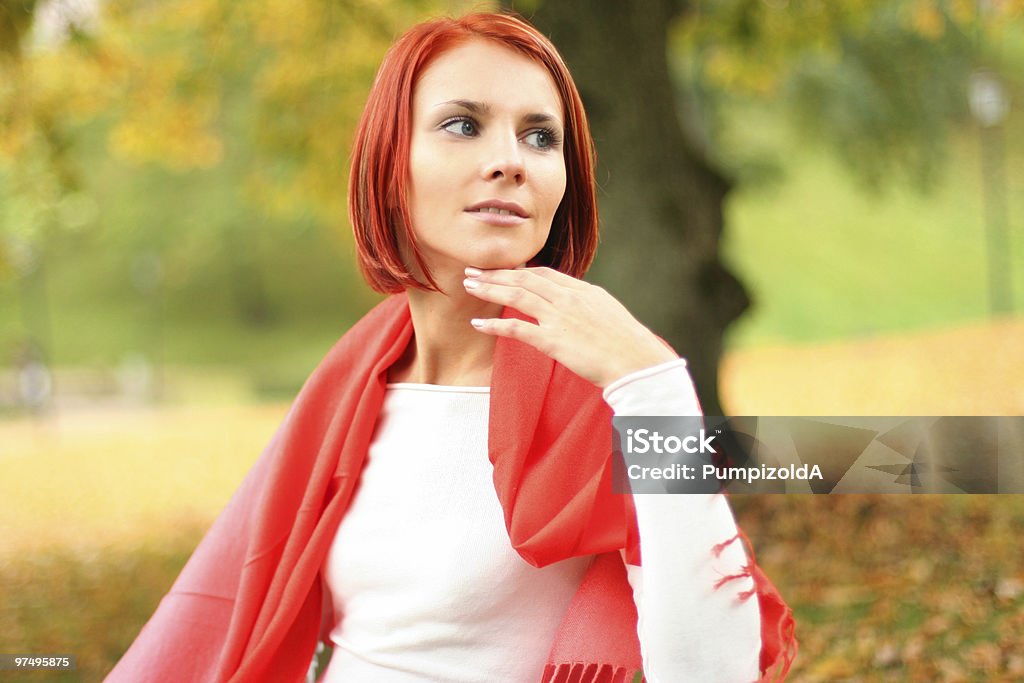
(486, 165)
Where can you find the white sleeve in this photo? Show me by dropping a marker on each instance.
(688, 630)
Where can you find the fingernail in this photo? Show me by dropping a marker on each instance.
(474, 272)
(477, 323)
(470, 284)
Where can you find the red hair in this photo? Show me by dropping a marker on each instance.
(379, 177)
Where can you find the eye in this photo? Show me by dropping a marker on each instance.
(461, 126)
(542, 139)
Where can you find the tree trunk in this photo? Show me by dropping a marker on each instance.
(661, 201)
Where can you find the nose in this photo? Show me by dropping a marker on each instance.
(505, 160)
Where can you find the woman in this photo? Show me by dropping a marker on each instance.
(372, 518)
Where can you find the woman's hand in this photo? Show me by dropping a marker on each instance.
(580, 325)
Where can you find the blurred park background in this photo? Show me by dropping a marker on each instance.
(820, 203)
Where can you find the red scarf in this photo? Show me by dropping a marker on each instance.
(247, 606)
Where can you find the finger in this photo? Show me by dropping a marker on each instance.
(519, 298)
(521, 277)
(513, 328)
(558, 277)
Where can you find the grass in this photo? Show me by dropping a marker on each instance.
(106, 478)
(897, 588)
(827, 259)
(89, 604)
(103, 506)
(101, 509)
(973, 369)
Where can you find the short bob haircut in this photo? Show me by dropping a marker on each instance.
(379, 177)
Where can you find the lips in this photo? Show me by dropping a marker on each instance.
(498, 208)
(500, 212)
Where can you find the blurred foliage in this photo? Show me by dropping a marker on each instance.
(185, 146)
(180, 81)
(88, 605)
(277, 85)
(880, 82)
(172, 174)
(267, 93)
(896, 588)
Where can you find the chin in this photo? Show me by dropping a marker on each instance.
(500, 259)
(496, 264)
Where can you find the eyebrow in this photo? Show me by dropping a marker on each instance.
(475, 107)
(484, 109)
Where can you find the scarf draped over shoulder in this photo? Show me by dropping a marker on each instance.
(247, 605)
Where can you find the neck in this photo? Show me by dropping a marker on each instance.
(445, 349)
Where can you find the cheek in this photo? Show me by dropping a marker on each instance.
(424, 205)
(425, 175)
(433, 180)
(554, 184)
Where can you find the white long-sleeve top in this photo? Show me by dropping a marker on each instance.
(425, 585)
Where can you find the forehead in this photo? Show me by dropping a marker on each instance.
(488, 72)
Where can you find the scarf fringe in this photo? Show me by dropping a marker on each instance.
(772, 606)
(580, 672)
(717, 549)
(748, 571)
